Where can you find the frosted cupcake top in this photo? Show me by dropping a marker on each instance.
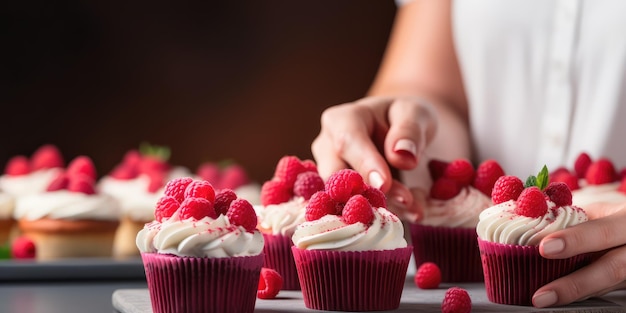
(281, 219)
(191, 220)
(524, 214)
(588, 194)
(7, 204)
(461, 211)
(24, 175)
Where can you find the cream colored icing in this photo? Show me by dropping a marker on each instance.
(212, 238)
(250, 192)
(461, 211)
(331, 233)
(7, 204)
(501, 224)
(64, 204)
(588, 194)
(282, 219)
(31, 183)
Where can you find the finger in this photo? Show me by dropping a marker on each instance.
(327, 161)
(401, 201)
(605, 274)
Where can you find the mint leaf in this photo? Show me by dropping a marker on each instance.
(161, 152)
(530, 181)
(542, 178)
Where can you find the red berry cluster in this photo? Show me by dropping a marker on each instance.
(598, 172)
(46, 156)
(345, 193)
(223, 176)
(152, 161)
(449, 178)
(80, 176)
(197, 199)
(531, 196)
(292, 177)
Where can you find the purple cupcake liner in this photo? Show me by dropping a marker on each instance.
(454, 250)
(188, 284)
(278, 256)
(352, 280)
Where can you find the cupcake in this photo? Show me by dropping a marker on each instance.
(230, 175)
(350, 253)
(70, 219)
(283, 202)
(598, 181)
(200, 256)
(7, 204)
(137, 184)
(509, 234)
(24, 176)
(446, 234)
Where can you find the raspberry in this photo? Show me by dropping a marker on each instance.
(165, 208)
(287, 169)
(176, 188)
(47, 156)
(319, 205)
(622, 173)
(506, 188)
(233, 176)
(241, 213)
(157, 179)
(456, 300)
(486, 175)
(581, 165)
(210, 172)
(270, 283)
(622, 186)
(197, 208)
(81, 183)
(358, 209)
(200, 189)
(132, 158)
(375, 196)
(565, 177)
(600, 172)
(150, 163)
(17, 165)
(436, 168)
(82, 165)
(343, 184)
(275, 192)
(23, 248)
(531, 203)
(428, 276)
(309, 166)
(559, 193)
(444, 189)
(223, 198)
(124, 172)
(308, 183)
(461, 171)
(60, 182)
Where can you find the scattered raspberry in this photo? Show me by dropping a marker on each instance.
(436, 168)
(81, 183)
(197, 208)
(124, 172)
(309, 166)
(559, 193)
(319, 205)
(565, 177)
(622, 186)
(223, 198)
(581, 165)
(59, 183)
(17, 165)
(444, 189)
(150, 163)
(157, 179)
(275, 192)
(210, 172)
(375, 196)
(47, 156)
(241, 213)
(531, 203)
(343, 184)
(23, 248)
(600, 172)
(358, 209)
(176, 188)
(428, 276)
(270, 283)
(506, 188)
(456, 300)
(200, 189)
(233, 176)
(308, 183)
(461, 171)
(165, 208)
(486, 175)
(82, 165)
(288, 168)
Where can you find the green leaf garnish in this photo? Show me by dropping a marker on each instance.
(161, 152)
(542, 178)
(530, 181)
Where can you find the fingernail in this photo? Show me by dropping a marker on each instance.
(375, 179)
(553, 246)
(405, 146)
(544, 299)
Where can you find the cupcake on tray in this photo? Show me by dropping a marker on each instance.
(446, 235)
(230, 175)
(283, 206)
(25, 175)
(7, 204)
(70, 219)
(202, 253)
(510, 231)
(350, 253)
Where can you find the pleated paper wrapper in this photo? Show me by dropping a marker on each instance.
(278, 256)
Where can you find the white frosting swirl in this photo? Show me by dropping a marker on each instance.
(588, 194)
(31, 183)
(7, 204)
(461, 211)
(331, 233)
(212, 238)
(64, 204)
(282, 219)
(501, 224)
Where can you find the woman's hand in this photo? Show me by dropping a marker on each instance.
(604, 232)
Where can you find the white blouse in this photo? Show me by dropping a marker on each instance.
(545, 79)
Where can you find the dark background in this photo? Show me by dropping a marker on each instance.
(245, 80)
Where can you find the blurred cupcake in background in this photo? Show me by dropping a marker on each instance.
(24, 175)
(230, 175)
